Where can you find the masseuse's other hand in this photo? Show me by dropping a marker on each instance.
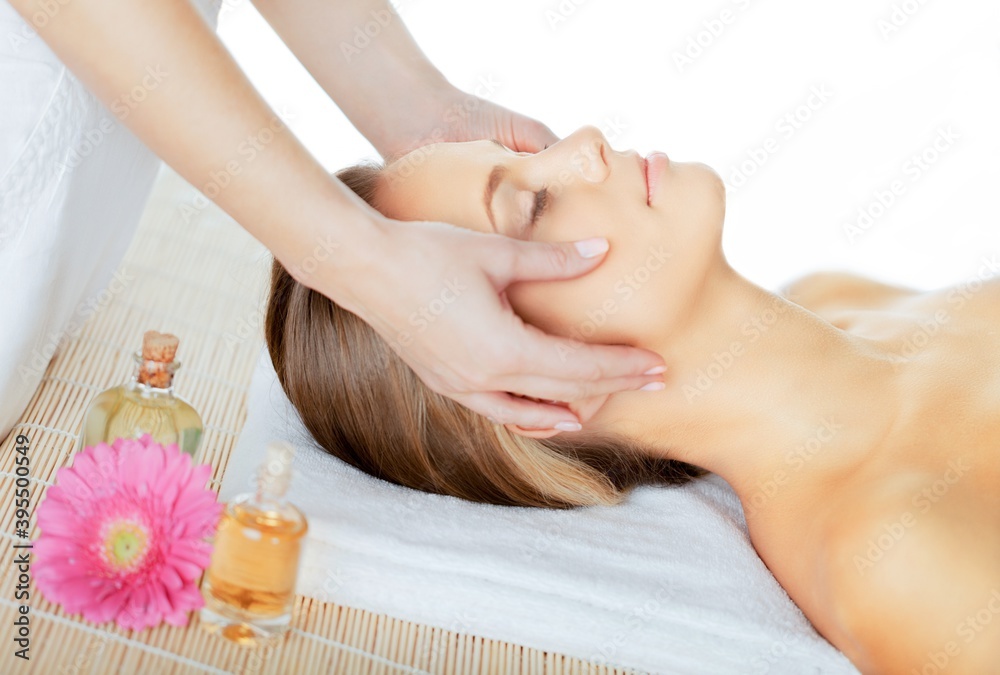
(434, 292)
(456, 116)
(477, 118)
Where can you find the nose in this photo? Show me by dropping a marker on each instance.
(588, 151)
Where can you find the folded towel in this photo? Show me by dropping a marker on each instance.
(667, 582)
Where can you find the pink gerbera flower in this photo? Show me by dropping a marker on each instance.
(123, 534)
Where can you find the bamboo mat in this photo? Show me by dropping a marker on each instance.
(193, 272)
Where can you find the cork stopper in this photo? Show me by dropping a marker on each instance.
(157, 359)
(159, 346)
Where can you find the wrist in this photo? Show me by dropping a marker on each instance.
(331, 259)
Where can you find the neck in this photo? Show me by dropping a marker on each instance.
(761, 391)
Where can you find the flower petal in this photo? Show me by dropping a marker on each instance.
(108, 607)
(170, 578)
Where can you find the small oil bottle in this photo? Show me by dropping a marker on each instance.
(146, 404)
(249, 587)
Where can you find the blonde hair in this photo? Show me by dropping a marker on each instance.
(364, 405)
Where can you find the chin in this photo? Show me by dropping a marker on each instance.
(711, 176)
(716, 197)
(694, 198)
(693, 204)
(714, 188)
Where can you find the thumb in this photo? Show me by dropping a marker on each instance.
(547, 261)
(532, 136)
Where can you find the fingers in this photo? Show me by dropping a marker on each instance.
(546, 261)
(566, 359)
(502, 408)
(554, 389)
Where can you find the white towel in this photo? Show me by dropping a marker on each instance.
(666, 582)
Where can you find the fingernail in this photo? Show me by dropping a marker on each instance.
(591, 248)
(654, 386)
(656, 371)
(568, 426)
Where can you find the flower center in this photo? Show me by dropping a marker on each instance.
(125, 544)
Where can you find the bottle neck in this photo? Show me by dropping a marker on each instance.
(263, 498)
(271, 487)
(154, 378)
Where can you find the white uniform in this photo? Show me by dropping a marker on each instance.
(73, 184)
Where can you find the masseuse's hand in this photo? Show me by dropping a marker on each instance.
(489, 120)
(454, 115)
(434, 292)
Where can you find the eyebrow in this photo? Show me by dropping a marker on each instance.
(497, 175)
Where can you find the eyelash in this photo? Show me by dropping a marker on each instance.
(541, 204)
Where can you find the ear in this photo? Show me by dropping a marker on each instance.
(584, 410)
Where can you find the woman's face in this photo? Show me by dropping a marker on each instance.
(661, 247)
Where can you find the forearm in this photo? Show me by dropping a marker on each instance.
(165, 75)
(363, 56)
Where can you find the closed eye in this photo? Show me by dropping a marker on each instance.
(541, 204)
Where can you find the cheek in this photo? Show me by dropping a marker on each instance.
(612, 303)
(557, 307)
(624, 301)
(574, 308)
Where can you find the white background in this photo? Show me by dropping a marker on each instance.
(898, 72)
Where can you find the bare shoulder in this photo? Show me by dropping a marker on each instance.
(979, 294)
(913, 581)
(822, 291)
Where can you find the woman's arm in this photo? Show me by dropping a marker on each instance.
(161, 70)
(363, 56)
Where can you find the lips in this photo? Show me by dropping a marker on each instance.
(645, 177)
(653, 167)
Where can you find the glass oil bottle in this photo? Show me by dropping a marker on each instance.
(249, 587)
(146, 403)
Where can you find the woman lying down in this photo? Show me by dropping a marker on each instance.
(858, 422)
